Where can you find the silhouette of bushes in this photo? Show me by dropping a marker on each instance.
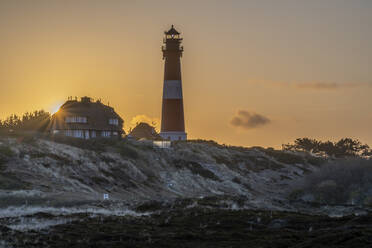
(206, 142)
(284, 156)
(345, 147)
(30, 121)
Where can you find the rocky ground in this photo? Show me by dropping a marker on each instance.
(204, 225)
(196, 194)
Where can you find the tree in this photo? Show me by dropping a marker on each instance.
(345, 147)
(303, 144)
(30, 121)
(350, 147)
(328, 148)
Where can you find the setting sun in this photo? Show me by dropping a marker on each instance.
(55, 108)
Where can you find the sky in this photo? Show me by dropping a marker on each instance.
(255, 72)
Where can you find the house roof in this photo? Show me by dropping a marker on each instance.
(145, 131)
(97, 115)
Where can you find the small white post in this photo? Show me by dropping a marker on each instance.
(105, 196)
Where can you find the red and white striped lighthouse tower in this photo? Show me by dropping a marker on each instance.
(172, 119)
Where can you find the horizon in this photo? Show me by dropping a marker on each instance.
(254, 73)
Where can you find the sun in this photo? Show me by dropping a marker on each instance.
(55, 108)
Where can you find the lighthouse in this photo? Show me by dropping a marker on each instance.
(172, 119)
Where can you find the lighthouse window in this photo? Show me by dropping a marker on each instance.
(114, 122)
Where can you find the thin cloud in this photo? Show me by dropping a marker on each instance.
(327, 85)
(318, 85)
(144, 118)
(247, 120)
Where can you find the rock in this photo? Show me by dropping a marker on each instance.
(277, 223)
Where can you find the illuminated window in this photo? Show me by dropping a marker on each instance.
(76, 119)
(114, 122)
(105, 133)
(75, 133)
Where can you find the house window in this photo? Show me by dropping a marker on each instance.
(115, 133)
(105, 133)
(75, 133)
(76, 119)
(114, 122)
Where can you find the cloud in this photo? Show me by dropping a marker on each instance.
(328, 85)
(144, 118)
(319, 85)
(246, 120)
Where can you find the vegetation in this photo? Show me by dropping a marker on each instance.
(343, 181)
(124, 147)
(205, 226)
(30, 121)
(5, 154)
(345, 147)
(195, 169)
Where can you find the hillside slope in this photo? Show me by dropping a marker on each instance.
(196, 193)
(46, 171)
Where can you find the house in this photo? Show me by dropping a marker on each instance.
(144, 131)
(86, 119)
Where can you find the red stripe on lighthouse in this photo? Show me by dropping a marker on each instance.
(173, 119)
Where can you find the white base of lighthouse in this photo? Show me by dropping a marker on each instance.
(173, 136)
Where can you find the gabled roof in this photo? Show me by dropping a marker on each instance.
(172, 31)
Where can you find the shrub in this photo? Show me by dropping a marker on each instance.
(127, 151)
(345, 147)
(96, 144)
(285, 156)
(99, 145)
(195, 169)
(339, 182)
(5, 154)
(6, 151)
(30, 121)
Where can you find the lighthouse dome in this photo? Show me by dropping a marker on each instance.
(172, 31)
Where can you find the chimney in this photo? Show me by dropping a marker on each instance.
(85, 99)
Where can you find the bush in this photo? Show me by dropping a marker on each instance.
(97, 144)
(127, 151)
(284, 156)
(6, 151)
(345, 147)
(30, 121)
(347, 181)
(121, 146)
(195, 169)
(5, 154)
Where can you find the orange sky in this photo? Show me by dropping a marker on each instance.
(302, 65)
